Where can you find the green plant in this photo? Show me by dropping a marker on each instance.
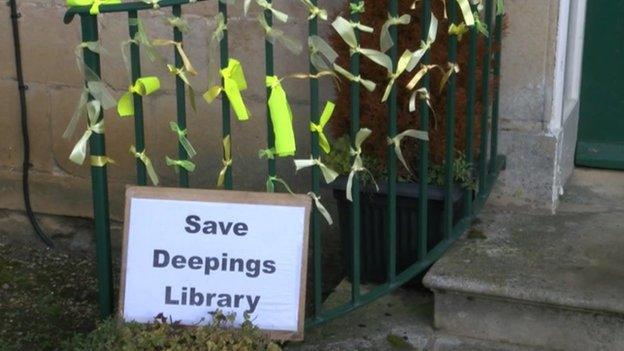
(462, 173)
(166, 335)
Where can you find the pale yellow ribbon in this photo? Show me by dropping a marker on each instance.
(424, 69)
(368, 84)
(322, 55)
(328, 174)
(356, 8)
(404, 60)
(347, 33)
(182, 139)
(267, 6)
(396, 141)
(422, 94)
(275, 35)
(425, 45)
(385, 40)
(178, 22)
(270, 184)
(213, 49)
(149, 167)
(79, 152)
(315, 11)
(358, 163)
(101, 161)
(319, 206)
(269, 154)
(453, 68)
(227, 160)
(180, 49)
(154, 3)
(177, 164)
(181, 73)
(99, 91)
(464, 6)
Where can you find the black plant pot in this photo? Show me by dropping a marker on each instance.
(374, 219)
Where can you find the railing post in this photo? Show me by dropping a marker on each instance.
(99, 185)
(495, 108)
(135, 67)
(487, 56)
(449, 153)
(470, 109)
(225, 102)
(180, 95)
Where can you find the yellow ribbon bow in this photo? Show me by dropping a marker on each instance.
(319, 206)
(281, 116)
(318, 128)
(420, 74)
(385, 40)
(357, 7)
(95, 4)
(425, 45)
(269, 154)
(368, 84)
(322, 55)
(422, 94)
(328, 174)
(181, 73)
(79, 153)
(404, 61)
(267, 6)
(180, 48)
(233, 83)
(464, 6)
(143, 87)
(481, 27)
(270, 184)
(315, 11)
(182, 139)
(98, 90)
(453, 68)
(227, 160)
(101, 161)
(177, 164)
(213, 49)
(275, 35)
(143, 39)
(396, 141)
(149, 167)
(458, 30)
(178, 22)
(358, 164)
(347, 33)
(93, 46)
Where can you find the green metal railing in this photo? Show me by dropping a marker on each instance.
(487, 170)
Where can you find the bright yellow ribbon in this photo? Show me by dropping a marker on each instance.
(233, 83)
(328, 174)
(270, 184)
(143, 87)
(281, 116)
(182, 139)
(347, 33)
(396, 141)
(458, 30)
(358, 164)
(95, 125)
(101, 161)
(149, 167)
(385, 40)
(404, 61)
(95, 4)
(315, 11)
(319, 206)
(319, 128)
(227, 160)
(275, 35)
(267, 6)
(368, 84)
(322, 55)
(180, 49)
(177, 164)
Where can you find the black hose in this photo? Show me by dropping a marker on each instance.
(24, 116)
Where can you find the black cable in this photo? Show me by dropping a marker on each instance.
(24, 116)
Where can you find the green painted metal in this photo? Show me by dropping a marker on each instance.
(269, 69)
(449, 153)
(225, 102)
(601, 126)
(423, 162)
(354, 116)
(470, 107)
(425, 257)
(176, 10)
(393, 10)
(498, 29)
(139, 130)
(485, 82)
(99, 186)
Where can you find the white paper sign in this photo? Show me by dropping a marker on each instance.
(187, 257)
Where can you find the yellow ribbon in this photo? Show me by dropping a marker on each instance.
(178, 22)
(481, 27)
(315, 11)
(93, 46)
(404, 61)
(154, 3)
(322, 55)
(318, 128)
(101, 161)
(368, 84)
(149, 167)
(328, 174)
(143, 87)
(143, 39)
(458, 30)
(281, 116)
(357, 7)
(425, 45)
(181, 73)
(270, 184)
(275, 35)
(269, 154)
(319, 206)
(500, 7)
(358, 164)
(186, 144)
(347, 33)
(95, 4)
(453, 68)
(233, 83)
(396, 141)
(177, 164)
(227, 160)
(79, 152)
(267, 6)
(464, 6)
(179, 47)
(420, 74)
(213, 50)
(385, 40)
(98, 90)
(422, 94)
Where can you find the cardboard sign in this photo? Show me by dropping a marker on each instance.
(189, 252)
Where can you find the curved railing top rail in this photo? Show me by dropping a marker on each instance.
(122, 7)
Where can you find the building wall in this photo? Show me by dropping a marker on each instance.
(60, 187)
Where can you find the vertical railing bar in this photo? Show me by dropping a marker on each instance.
(180, 96)
(139, 129)
(393, 10)
(354, 116)
(495, 103)
(99, 184)
(485, 102)
(316, 178)
(225, 102)
(268, 61)
(449, 153)
(423, 145)
(470, 109)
